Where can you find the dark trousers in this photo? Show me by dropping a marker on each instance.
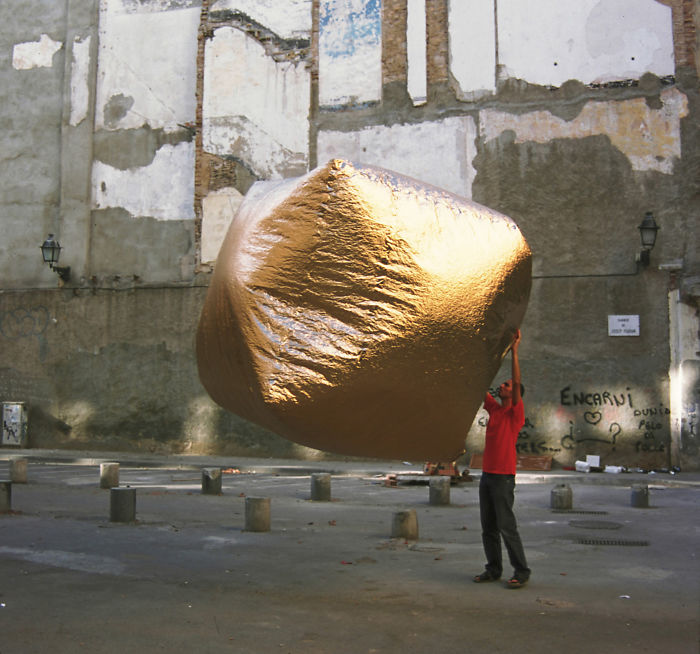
(496, 496)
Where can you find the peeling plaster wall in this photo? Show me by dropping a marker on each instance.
(648, 137)
(80, 83)
(146, 79)
(472, 28)
(133, 128)
(440, 152)
(35, 54)
(219, 208)
(162, 189)
(146, 66)
(350, 52)
(255, 108)
(417, 78)
(593, 41)
(255, 105)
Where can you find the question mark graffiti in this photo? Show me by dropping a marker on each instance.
(615, 430)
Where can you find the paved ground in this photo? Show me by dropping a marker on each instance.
(328, 577)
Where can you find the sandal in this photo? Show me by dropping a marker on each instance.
(515, 582)
(485, 576)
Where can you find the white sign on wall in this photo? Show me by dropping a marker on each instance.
(623, 325)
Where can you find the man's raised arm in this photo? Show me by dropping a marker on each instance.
(515, 376)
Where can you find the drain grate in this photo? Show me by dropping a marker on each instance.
(595, 524)
(572, 511)
(612, 542)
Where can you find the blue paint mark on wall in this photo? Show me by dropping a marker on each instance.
(353, 24)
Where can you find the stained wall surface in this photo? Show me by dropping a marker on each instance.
(132, 130)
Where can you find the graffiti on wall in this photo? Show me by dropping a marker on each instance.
(645, 426)
(20, 323)
(607, 421)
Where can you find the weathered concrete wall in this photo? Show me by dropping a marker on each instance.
(132, 130)
(113, 370)
(31, 97)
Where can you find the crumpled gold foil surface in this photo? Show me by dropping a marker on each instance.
(361, 312)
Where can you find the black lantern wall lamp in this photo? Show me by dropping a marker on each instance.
(647, 232)
(51, 251)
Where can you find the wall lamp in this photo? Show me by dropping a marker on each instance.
(647, 231)
(51, 251)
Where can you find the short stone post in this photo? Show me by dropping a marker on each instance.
(321, 487)
(18, 471)
(405, 525)
(122, 504)
(439, 491)
(211, 481)
(639, 498)
(109, 475)
(257, 514)
(5, 496)
(562, 497)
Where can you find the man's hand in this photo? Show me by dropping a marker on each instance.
(516, 341)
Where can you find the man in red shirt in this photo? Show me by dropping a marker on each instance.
(497, 486)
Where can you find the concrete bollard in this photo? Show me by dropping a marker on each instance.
(211, 481)
(405, 525)
(122, 504)
(5, 496)
(257, 514)
(321, 487)
(109, 475)
(639, 498)
(562, 497)
(439, 491)
(18, 471)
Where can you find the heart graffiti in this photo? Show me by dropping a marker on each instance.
(593, 417)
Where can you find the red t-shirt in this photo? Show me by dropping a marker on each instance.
(501, 434)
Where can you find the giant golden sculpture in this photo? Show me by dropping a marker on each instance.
(361, 312)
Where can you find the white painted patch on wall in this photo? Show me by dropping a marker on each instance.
(162, 190)
(439, 153)
(218, 210)
(350, 52)
(472, 31)
(35, 54)
(593, 41)
(650, 138)
(79, 87)
(417, 47)
(289, 19)
(255, 108)
(151, 58)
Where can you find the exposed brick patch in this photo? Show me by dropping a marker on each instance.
(438, 55)
(394, 47)
(684, 32)
(199, 190)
